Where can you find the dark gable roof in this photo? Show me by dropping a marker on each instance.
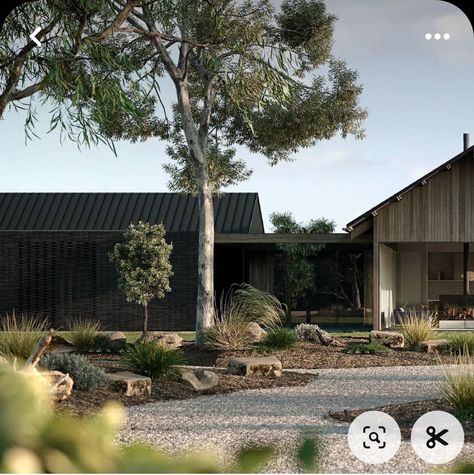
(234, 212)
(469, 152)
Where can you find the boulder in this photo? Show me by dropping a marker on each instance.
(256, 332)
(168, 340)
(199, 379)
(387, 338)
(110, 342)
(130, 384)
(260, 367)
(431, 346)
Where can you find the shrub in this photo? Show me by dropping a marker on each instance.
(19, 335)
(278, 339)
(417, 327)
(458, 387)
(82, 334)
(307, 332)
(365, 349)
(154, 360)
(242, 305)
(86, 376)
(462, 343)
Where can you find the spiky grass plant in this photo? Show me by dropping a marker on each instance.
(457, 386)
(240, 306)
(278, 339)
(82, 334)
(153, 360)
(462, 343)
(417, 327)
(19, 335)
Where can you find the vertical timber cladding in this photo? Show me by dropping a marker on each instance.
(65, 275)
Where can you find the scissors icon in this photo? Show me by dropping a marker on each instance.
(435, 437)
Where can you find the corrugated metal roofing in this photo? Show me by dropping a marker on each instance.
(234, 212)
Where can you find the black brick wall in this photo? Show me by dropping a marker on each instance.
(64, 275)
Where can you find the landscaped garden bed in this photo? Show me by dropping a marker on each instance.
(310, 355)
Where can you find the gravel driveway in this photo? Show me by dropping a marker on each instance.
(279, 416)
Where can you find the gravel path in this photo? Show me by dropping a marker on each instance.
(279, 416)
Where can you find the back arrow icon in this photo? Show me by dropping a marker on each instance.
(33, 36)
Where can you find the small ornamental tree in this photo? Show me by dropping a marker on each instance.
(142, 261)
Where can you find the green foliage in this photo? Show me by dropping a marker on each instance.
(457, 386)
(309, 454)
(298, 268)
(142, 261)
(86, 376)
(153, 360)
(34, 439)
(278, 339)
(82, 334)
(462, 343)
(19, 335)
(365, 349)
(417, 327)
(242, 305)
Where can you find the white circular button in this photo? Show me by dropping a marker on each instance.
(374, 437)
(437, 437)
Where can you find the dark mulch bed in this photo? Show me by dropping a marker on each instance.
(315, 356)
(407, 414)
(82, 403)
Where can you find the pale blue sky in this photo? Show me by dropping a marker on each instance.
(419, 97)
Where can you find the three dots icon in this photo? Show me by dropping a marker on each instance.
(437, 36)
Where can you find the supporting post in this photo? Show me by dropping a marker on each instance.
(466, 268)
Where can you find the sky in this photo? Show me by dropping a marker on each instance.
(418, 94)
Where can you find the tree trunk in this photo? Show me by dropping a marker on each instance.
(145, 319)
(205, 294)
(355, 284)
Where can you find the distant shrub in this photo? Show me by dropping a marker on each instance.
(19, 335)
(462, 343)
(417, 327)
(82, 334)
(86, 376)
(365, 349)
(307, 332)
(458, 387)
(155, 361)
(278, 339)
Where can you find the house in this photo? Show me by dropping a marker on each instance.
(54, 254)
(415, 249)
(421, 241)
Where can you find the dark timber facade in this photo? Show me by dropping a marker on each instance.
(54, 246)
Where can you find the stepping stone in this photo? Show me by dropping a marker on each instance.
(200, 379)
(130, 384)
(387, 338)
(430, 346)
(265, 366)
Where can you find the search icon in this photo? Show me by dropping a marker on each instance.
(374, 437)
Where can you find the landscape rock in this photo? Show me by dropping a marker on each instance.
(256, 332)
(387, 338)
(130, 384)
(264, 366)
(200, 379)
(431, 346)
(168, 340)
(110, 342)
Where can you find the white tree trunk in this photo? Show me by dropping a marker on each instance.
(205, 294)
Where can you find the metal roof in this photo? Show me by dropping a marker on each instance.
(234, 212)
(420, 182)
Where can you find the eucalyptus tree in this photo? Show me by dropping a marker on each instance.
(78, 70)
(244, 73)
